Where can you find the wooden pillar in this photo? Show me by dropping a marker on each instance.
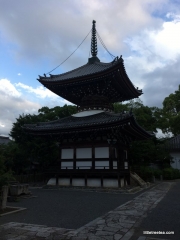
(120, 160)
(86, 180)
(119, 181)
(128, 178)
(56, 179)
(93, 157)
(111, 157)
(102, 181)
(71, 180)
(125, 180)
(74, 159)
(60, 157)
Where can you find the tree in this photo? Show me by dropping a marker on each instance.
(142, 153)
(143, 114)
(29, 148)
(5, 172)
(150, 118)
(47, 114)
(171, 113)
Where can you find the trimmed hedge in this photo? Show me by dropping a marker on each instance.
(171, 173)
(147, 173)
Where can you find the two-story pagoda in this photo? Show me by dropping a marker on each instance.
(93, 143)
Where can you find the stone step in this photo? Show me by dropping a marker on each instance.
(139, 180)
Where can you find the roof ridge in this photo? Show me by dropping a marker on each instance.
(62, 74)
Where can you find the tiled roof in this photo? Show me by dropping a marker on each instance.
(4, 140)
(87, 69)
(173, 143)
(109, 80)
(76, 122)
(107, 120)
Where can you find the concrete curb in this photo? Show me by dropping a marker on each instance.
(16, 209)
(135, 189)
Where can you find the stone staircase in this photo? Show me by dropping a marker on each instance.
(138, 180)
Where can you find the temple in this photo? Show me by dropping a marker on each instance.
(94, 142)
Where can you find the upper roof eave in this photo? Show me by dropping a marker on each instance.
(72, 77)
(87, 70)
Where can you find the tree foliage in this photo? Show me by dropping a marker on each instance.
(5, 165)
(30, 149)
(150, 118)
(171, 112)
(144, 115)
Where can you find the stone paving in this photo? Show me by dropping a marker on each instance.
(117, 224)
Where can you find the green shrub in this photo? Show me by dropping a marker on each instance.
(171, 173)
(176, 173)
(5, 176)
(167, 173)
(146, 173)
(157, 173)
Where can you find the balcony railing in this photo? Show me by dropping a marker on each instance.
(85, 170)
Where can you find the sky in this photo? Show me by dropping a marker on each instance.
(36, 36)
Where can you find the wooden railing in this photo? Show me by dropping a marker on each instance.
(85, 171)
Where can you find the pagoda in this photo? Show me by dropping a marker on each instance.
(94, 142)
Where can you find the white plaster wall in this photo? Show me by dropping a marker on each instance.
(112, 183)
(78, 182)
(176, 160)
(101, 164)
(114, 164)
(52, 182)
(84, 164)
(67, 153)
(87, 113)
(125, 165)
(122, 182)
(68, 165)
(102, 152)
(94, 182)
(84, 153)
(64, 181)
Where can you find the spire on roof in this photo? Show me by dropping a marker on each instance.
(94, 40)
(94, 50)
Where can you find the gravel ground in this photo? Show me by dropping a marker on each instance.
(66, 208)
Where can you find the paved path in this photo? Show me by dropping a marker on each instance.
(165, 217)
(66, 208)
(120, 223)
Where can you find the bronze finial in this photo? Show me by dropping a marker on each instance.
(94, 40)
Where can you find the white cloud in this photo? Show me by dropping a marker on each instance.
(167, 41)
(173, 16)
(161, 45)
(40, 92)
(13, 104)
(8, 89)
(19, 74)
(38, 30)
(155, 57)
